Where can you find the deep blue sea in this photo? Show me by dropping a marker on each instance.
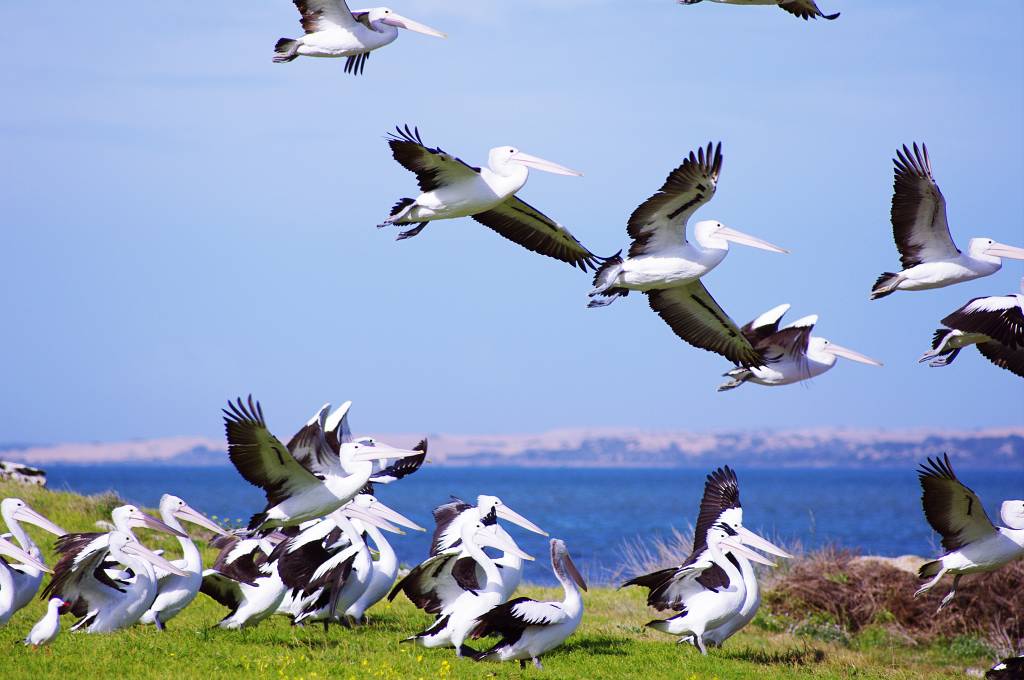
(597, 511)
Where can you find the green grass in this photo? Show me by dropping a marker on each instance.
(612, 641)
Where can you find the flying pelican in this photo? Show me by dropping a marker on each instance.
(804, 9)
(452, 188)
(244, 579)
(529, 628)
(671, 588)
(105, 604)
(174, 592)
(25, 578)
(47, 628)
(662, 264)
(301, 484)
(973, 544)
(994, 324)
(385, 470)
(332, 30)
(455, 619)
(791, 354)
(929, 257)
(8, 590)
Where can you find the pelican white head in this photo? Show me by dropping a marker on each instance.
(501, 157)
(987, 249)
(486, 504)
(820, 347)
(176, 507)
(389, 17)
(17, 510)
(714, 234)
(1012, 514)
(130, 517)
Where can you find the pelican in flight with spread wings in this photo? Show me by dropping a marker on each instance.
(306, 479)
(804, 9)
(995, 325)
(791, 354)
(452, 188)
(333, 30)
(972, 542)
(668, 268)
(929, 257)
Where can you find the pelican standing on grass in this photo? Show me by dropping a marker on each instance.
(995, 325)
(791, 354)
(973, 544)
(530, 629)
(929, 257)
(665, 266)
(804, 9)
(245, 580)
(333, 30)
(452, 188)
(175, 592)
(8, 591)
(25, 578)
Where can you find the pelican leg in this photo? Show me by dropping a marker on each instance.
(158, 623)
(951, 594)
(699, 641)
(411, 232)
(944, 360)
(522, 663)
(931, 584)
(537, 664)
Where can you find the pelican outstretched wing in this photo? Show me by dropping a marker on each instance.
(661, 220)
(80, 576)
(919, 224)
(400, 467)
(322, 15)
(1004, 357)
(1000, 317)
(765, 325)
(309, 446)
(953, 510)
(434, 583)
(444, 519)
(434, 168)
(260, 457)
(520, 222)
(805, 9)
(513, 617)
(694, 316)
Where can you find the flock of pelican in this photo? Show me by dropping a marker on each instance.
(307, 555)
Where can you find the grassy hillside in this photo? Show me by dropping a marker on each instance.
(611, 643)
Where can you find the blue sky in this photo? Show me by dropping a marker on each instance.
(184, 221)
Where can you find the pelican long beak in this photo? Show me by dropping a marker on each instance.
(845, 353)
(1003, 250)
(15, 552)
(570, 567)
(138, 550)
(150, 522)
(730, 234)
(27, 514)
(355, 512)
(736, 547)
(541, 164)
(190, 514)
(503, 543)
(754, 541)
(398, 21)
(390, 515)
(382, 452)
(511, 515)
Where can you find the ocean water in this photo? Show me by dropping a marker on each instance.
(598, 511)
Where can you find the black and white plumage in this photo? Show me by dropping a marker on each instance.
(928, 255)
(452, 188)
(973, 544)
(244, 579)
(8, 571)
(803, 9)
(24, 578)
(995, 325)
(664, 265)
(530, 629)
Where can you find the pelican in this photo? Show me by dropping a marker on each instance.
(25, 577)
(665, 266)
(447, 534)
(105, 604)
(8, 589)
(333, 30)
(47, 628)
(530, 629)
(458, 604)
(791, 354)
(385, 470)
(804, 9)
(244, 580)
(307, 484)
(995, 325)
(973, 544)
(1011, 668)
(452, 188)
(671, 588)
(929, 257)
(174, 592)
